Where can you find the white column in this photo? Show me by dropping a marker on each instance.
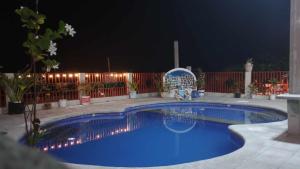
(176, 54)
(294, 72)
(247, 83)
(81, 78)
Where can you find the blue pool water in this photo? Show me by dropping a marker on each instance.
(152, 135)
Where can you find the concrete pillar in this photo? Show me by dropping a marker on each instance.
(176, 54)
(294, 72)
(247, 83)
(81, 78)
(189, 68)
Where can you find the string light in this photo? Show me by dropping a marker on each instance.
(57, 75)
(50, 76)
(70, 75)
(97, 75)
(64, 75)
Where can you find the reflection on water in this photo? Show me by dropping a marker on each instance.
(92, 129)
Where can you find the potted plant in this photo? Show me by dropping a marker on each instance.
(167, 90)
(200, 86)
(234, 87)
(15, 88)
(46, 90)
(273, 88)
(253, 90)
(133, 87)
(249, 65)
(61, 88)
(84, 92)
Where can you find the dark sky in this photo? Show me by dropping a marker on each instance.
(138, 35)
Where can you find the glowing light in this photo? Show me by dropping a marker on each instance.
(43, 76)
(66, 144)
(50, 76)
(28, 76)
(97, 75)
(57, 75)
(111, 75)
(97, 136)
(76, 75)
(19, 76)
(116, 75)
(70, 75)
(71, 138)
(59, 146)
(72, 142)
(64, 75)
(86, 75)
(78, 141)
(52, 147)
(102, 94)
(45, 148)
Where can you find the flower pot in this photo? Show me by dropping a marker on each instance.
(272, 97)
(195, 94)
(16, 108)
(201, 92)
(62, 102)
(47, 106)
(237, 95)
(253, 96)
(132, 94)
(248, 67)
(85, 100)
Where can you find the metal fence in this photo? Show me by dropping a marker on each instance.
(146, 81)
(55, 86)
(219, 81)
(262, 80)
(107, 84)
(52, 87)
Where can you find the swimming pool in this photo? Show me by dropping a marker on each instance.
(152, 135)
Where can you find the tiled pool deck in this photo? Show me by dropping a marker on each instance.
(267, 146)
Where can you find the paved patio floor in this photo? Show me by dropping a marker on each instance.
(267, 146)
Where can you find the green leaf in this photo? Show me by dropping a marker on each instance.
(43, 43)
(41, 19)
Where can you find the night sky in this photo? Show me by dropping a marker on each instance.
(137, 35)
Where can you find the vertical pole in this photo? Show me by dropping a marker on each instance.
(108, 64)
(176, 54)
(294, 72)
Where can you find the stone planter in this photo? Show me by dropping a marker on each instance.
(85, 100)
(272, 97)
(253, 96)
(16, 108)
(201, 92)
(248, 67)
(237, 95)
(62, 103)
(132, 94)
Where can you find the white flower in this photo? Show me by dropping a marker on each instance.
(70, 30)
(52, 48)
(55, 66)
